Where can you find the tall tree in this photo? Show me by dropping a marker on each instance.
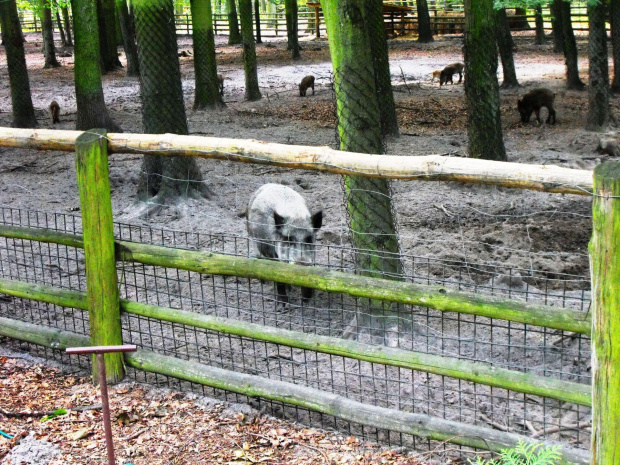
(556, 25)
(259, 39)
(65, 17)
(128, 33)
(63, 38)
(425, 31)
(107, 35)
(292, 27)
(165, 179)
(252, 92)
(205, 66)
(540, 26)
(598, 90)
(484, 126)
(570, 49)
(12, 38)
(373, 10)
(504, 44)
(47, 27)
(614, 15)
(91, 108)
(234, 36)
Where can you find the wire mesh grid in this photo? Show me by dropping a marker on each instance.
(501, 343)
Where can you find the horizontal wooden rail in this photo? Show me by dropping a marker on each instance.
(476, 372)
(437, 297)
(547, 178)
(314, 399)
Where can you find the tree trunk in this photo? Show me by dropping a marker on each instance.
(163, 108)
(540, 27)
(259, 39)
(21, 100)
(205, 66)
(614, 14)
(49, 50)
(504, 44)
(128, 33)
(292, 27)
(484, 126)
(91, 108)
(63, 38)
(598, 90)
(252, 91)
(570, 50)
(65, 17)
(107, 35)
(234, 36)
(556, 25)
(379, 52)
(425, 32)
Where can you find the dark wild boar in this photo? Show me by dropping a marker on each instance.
(306, 82)
(283, 229)
(449, 71)
(533, 101)
(55, 112)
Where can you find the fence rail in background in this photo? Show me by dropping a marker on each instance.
(202, 341)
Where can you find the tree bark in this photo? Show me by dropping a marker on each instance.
(556, 25)
(540, 27)
(259, 39)
(21, 100)
(49, 50)
(598, 90)
(614, 15)
(234, 36)
(252, 92)
(205, 66)
(570, 50)
(63, 38)
(91, 108)
(107, 35)
(425, 32)
(292, 27)
(128, 32)
(163, 109)
(379, 51)
(65, 16)
(484, 126)
(504, 44)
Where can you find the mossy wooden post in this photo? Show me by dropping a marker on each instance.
(101, 279)
(605, 271)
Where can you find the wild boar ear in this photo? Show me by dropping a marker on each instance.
(279, 220)
(317, 220)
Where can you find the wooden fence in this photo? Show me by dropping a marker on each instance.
(101, 299)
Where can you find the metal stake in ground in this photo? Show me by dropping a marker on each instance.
(100, 351)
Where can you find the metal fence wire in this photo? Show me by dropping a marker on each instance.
(520, 347)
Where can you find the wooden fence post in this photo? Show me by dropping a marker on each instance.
(101, 279)
(605, 270)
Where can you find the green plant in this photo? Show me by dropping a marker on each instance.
(525, 454)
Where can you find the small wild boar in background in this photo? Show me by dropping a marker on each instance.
(55, 112)
(306, 82)
(533, 101)
(449, 71)
(220, 84)
(281, 225)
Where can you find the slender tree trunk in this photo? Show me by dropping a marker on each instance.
(21, 100)
(540, 27)
(163, 108)
(556, 25)
(107, 35)
(128, 34)
(63, 39)
(259, 39)
(252, 91)
(234, 36)
(292, 27)
(65, 17)
(614, 14)
(381, 62)
(504, 44)
(205, 66)
(49, 50)
(425, 32)
(598, 90)
(570, 50)
(91, 108)
(484, 126)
